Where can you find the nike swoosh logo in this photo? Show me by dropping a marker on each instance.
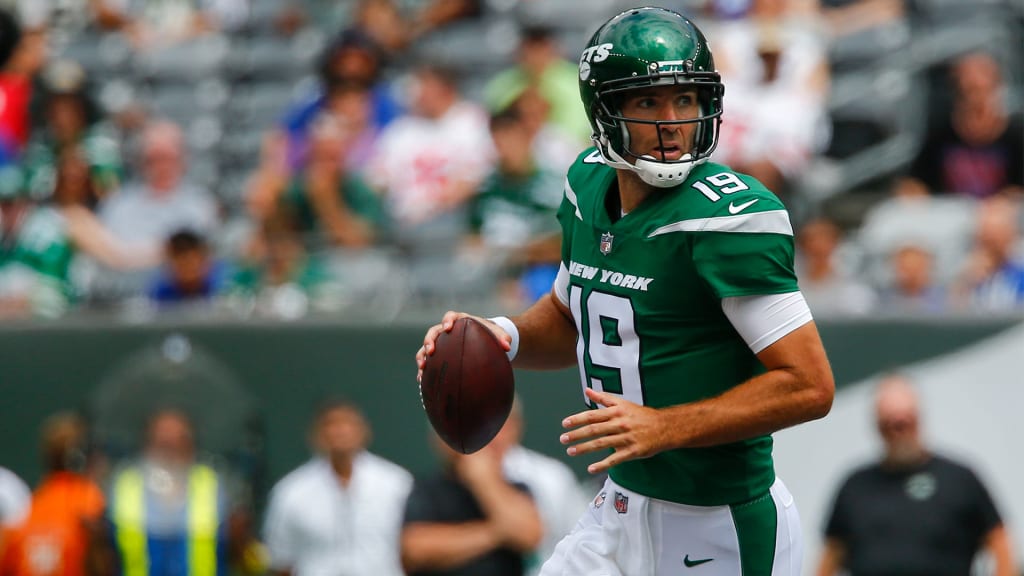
(733, 209)
(691, 563)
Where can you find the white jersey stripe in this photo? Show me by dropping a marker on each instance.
(771, 221)
(570, 194)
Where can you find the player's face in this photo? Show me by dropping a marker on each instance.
(667, 142)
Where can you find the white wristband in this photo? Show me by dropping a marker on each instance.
(510, 327)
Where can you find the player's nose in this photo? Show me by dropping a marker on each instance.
(669, 111)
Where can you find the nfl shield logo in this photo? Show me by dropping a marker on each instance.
(599, 500)
(606, 243)
(621, 503)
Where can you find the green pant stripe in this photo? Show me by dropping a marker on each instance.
(756, 525)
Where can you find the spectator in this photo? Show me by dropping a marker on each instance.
(913, 288)
(558, 496)
(352, 104)
(430, 163)
(776, 68)
(540, 66)
(993, 276)
(914, 512)
(174, 516)
(341, 512)
(945, 225)
(329, 202)
(383, 21)
(829, 289)
(48, 238)
(393, 31)
(13, 204)
(468, 519)
(190, 274)
(512, 218)
(976, 149)
(553, 149)
(848, 17)
(22, 54)
(147, 212)
(59, 17)
(14, 500)
(67, 507)
(69, 118)
(282, 280)
(151, 24)
(349, 73)
(433, 15)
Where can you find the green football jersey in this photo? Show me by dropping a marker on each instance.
(645, 292)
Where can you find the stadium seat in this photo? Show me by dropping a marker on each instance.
(270, 57)
(472, 47)
(192, 60)
(183, 101)
(259, 104)
(868, 46)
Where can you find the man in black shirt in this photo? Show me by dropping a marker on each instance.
(468, 520)
(913, 513)
(977, 148)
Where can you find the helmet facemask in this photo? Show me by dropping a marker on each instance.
(613, 136)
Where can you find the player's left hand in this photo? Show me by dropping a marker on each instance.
(631, 430)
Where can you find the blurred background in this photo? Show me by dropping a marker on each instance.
(237, 207)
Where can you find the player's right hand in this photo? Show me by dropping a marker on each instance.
(447, 322)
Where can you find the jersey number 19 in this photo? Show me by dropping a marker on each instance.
(607, 342)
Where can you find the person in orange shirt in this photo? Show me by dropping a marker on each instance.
(66, 509)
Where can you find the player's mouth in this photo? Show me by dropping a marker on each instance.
(668, 152)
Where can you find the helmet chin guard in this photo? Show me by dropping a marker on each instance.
(652, 172)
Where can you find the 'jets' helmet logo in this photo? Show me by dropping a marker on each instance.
(597, 53)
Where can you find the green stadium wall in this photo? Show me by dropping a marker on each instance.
(277, 372)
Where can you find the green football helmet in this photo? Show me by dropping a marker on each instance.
(645, 47)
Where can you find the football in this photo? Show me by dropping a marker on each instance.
(467, 386)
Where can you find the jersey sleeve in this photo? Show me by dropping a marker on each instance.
(746, 254)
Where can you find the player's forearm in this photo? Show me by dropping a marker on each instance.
(547, 336)
(437, 546)
(797, 387)
(747, 411)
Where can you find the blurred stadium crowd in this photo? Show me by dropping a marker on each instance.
(385, 159)
(374, 159)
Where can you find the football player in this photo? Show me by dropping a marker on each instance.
(678, 301)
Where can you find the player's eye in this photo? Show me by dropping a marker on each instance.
(686, 100)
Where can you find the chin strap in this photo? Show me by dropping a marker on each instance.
(657, 174)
